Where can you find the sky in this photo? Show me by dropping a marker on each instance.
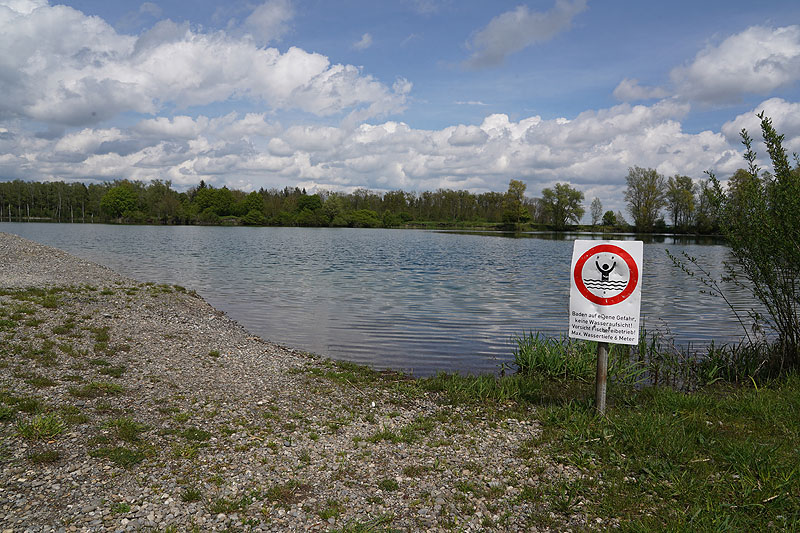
(405, 94)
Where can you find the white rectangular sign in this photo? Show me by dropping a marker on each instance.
(606, 291)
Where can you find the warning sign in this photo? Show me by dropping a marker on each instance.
(605, 291)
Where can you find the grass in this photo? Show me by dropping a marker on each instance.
(333, 509)
(96, 390)
(121, 508)
(723, 458)
(126, 429)
(288, 493)
(389, 485)
(191, 494)
(41, 426)
(195, 434)
(125, 457)
(44, 457)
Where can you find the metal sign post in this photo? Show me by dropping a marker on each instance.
(602, 376)
(605, 299)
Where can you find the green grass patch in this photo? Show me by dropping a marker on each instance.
(25, 404)
(126, 429)
(41, 426)
(195, 434)
(722, 458)
(96, 390)
(287, 493)
(388, 485)
(113, 371)
(191, 494)
(39, 381)
(121, 508)
(333, 509)
(72, 415)
(125, 457)
(43, 457)
(65, 328)
(229, 505)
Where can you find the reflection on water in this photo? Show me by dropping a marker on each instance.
(416, 300)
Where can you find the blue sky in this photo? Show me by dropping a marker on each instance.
(412, 94)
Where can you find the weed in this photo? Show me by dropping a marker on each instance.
(44, 457)
(101, 334)
(369, 526)
(96, 390)
(121, 508)
(72, 415)
(214, 353)
(229, 505)
(333, 508)
(195, 434)
(416, 470)
(42, 426)
(65, 328)
(113, 371)
(388, 485)
(287, 493)
(120, 455)
(126, 429)
(185, 451)
(191, 494)
(39, 381)
(6, 413)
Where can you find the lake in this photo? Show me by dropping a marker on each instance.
(420, 301)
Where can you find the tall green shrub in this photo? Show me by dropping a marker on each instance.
(760, 217)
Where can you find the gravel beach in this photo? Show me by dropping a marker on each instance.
(127, 406)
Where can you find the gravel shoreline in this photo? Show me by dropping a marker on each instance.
(127, 406)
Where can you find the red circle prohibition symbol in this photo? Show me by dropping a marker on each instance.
(633, 280)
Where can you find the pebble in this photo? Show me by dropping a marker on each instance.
(250, 465)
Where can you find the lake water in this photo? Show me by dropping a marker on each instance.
(419, 301)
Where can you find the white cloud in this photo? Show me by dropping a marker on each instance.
(467, 136)
(364, 43)
(519, 28)
(785, 118)
(755, 61)
(629, 90)
(62, 67)
(270, 20)
(592, 150)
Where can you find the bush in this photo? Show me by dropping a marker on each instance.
(760, 217)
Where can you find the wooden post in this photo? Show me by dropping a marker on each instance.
(602, 375)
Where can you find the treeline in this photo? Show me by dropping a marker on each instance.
(690, 206)
(158, 203)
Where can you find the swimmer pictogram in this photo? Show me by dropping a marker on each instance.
(606, 274)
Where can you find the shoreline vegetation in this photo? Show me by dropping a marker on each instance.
(136, 406)
(157, 203)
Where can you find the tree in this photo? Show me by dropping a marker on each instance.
(707, 213)
(645, 197)
(562, 205)
(596, 210)
(514, 211)
(117, 201)
(609, 218)
(680, 200)
(760, 218)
